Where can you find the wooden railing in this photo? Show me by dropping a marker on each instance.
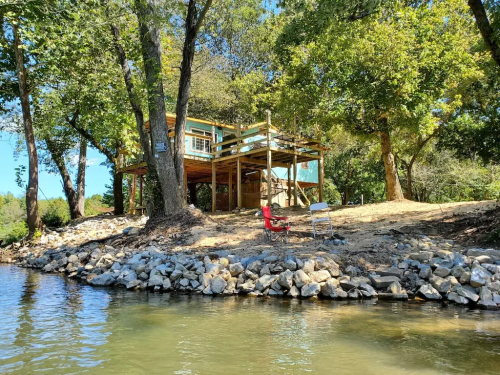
(268, 138)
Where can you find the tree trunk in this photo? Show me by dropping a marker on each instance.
(69, 190)
(157, 205)
(80, 178)
(193, 24)
(485, 28)
(171, 187)
(394, 191)
(118, 187)
(33, 216)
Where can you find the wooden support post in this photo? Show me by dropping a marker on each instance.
(230, 189)
(269, 178)
(238, 183)
(269, 162)
(321, 181)
(185, 186)
(289, 187)
(140, 191)
(214, 185)
(295, 188)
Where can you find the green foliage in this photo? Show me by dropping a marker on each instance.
(12, 218)
(54, 212)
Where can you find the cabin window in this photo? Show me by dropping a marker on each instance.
(201, 144)
(304, 165)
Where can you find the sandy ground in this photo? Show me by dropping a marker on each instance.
(363, 226)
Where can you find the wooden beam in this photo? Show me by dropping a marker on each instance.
(289, 187)
(238, 183)
(140, 191)
(214, 186)
(185, 186)
(230, 189)
(295, 186)
(269, 164)
(321, 176)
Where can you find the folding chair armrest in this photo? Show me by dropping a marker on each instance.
(279, 218)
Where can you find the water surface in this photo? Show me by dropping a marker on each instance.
(53, 325)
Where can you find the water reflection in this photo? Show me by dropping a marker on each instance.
(53, 325)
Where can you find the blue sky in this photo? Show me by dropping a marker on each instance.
(97, 176)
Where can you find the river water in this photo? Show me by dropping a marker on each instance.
(51, 325)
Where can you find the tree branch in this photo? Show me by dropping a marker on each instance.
(485, 28)
(202, 15)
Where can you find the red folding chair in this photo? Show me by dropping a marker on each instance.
(272, 231)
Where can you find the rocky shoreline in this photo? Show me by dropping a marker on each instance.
(464, 276)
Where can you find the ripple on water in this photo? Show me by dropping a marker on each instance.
(53, 325)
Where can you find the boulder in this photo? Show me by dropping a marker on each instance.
(255, 267)
(265, 270)
(176, 274)
(425, 273)
(156, 280)
(455, 297)
(285, 279)
(467, 293)
(133, 284)
(428, 292)
(167, 285)
(422, 255)
(441, 285)
(310, 290)
(442, 271)
(329, 288)
(478, 276)
(457, 271)
(487, 305)
(247, 287)
(382, 282)
(289, 264)
(218, 284)
(485, 294)
(236, 268)
(308, 266)
(320, 276)
(104, 279)
(73, 259)
(443, 253)
(352, 271)
(348, 285)
(212, 268)
(300, 278)
(367, 290)
(293, 292)
(465, 278)
(264, 282)
(389, 271)
(396, 288)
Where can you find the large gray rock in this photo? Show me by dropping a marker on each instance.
(265, 282)
(247, 287)
(389, 271)
(442, 271)
(494, 286)
(479, 276)
(465, 278)
(455, 297)
(73, 259)
(425, 273)
(176, 275)
(320, 276)
(104, 279)
(329, 288)
(293, 292)
(348, 285)
(255, 267)
(236, 268)
(156, 280)
(440, 284)
(487, 305)
(422, 255)
(478, 252)
(218, 284)
(167, 285)
(285, 279)
(467, 293)
(212, 268)
(310, 290)
(485, 294)
(290, 264)
(300, 278)
(428, 292)
(382, 282)
(457, 271)
(367, 290)
(308, 266)
(396, 288)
